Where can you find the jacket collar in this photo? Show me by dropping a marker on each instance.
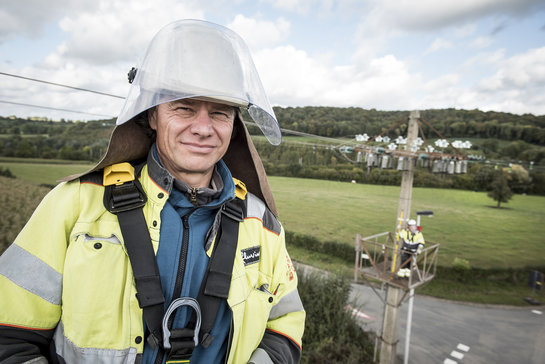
(160, 175)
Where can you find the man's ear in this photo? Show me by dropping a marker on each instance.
(152, 118)
(237, 121)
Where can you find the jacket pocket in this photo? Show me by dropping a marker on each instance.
(97, 287)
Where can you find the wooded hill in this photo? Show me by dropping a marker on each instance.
(451, 123)
(502, 138)
(85, 140)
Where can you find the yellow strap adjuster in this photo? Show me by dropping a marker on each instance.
(118, 173)
(240, 189)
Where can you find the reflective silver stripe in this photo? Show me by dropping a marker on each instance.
(40, 360)
(256, 207)
(74, 354)
(260, 356)
(31, 273)
(289, 303)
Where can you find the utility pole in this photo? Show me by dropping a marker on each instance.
(394, 294)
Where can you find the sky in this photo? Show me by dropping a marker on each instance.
(374, 54)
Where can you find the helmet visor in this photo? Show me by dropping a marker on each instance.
(198, 59)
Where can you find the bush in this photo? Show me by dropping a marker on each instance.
(6, 172)
(331, 333)
(460, 264)
(461, 271)
(331, 248)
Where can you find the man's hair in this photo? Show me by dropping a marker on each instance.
(142, 120)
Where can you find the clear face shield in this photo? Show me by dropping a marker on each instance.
(198, 59)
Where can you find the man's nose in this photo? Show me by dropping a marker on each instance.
(202, 124)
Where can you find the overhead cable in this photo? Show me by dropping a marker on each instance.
(56, 109)
(61, 85)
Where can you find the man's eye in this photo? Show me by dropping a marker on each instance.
(221, 115)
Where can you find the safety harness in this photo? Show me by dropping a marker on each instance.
(125, 197)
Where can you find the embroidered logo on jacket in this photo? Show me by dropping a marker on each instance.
(291, 269)
(251, 255)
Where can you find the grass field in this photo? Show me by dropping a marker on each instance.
(465, 223)
(44, 172)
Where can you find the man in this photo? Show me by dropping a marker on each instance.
(413, 243)
(77, 284)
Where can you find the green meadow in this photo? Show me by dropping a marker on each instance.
(465, 223)
(501, 245)
(42, 171)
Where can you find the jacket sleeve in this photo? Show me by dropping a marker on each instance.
(282, 340)
(19, 345)
(31, 278)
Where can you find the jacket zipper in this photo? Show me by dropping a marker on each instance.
(193, 196)
(179, 275)
(183, 257)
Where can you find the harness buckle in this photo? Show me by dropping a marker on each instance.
(180, 343)
(153, 341)
(124, 197)
(233, 210)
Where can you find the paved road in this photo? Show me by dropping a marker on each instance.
(448, 332)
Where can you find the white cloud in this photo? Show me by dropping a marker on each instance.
(438, 44)
(302, 6)
(481, 42)
(465, 30)
(118, 30)
(487, 59)
(30, 16)
(292, 78)
(433, 14)
(524, 71)
(259, 33)
(441, 83)
(518, 86)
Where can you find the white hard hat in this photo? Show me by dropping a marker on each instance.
(411, 222)
(199, 59)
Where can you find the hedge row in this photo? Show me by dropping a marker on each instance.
(331, 248)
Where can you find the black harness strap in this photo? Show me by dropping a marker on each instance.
(217, 279)
(126, 201)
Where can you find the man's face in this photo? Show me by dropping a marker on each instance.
(192, 136)
(412, 228)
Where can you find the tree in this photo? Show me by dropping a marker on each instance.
(500, 190)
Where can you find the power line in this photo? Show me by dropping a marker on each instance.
(54, 108)
(293, 132)
(61, 85)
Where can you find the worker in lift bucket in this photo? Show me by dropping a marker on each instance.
(413, 242)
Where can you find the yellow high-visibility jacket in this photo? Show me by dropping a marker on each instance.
(411, 241)
(67, 277)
